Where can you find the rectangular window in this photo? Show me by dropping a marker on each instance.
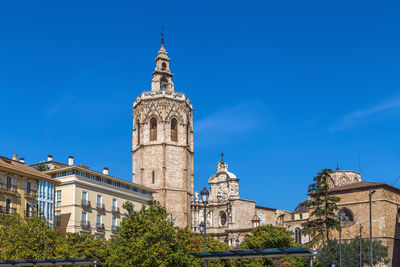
(57, 217)
(99, 201)
(153, 177)
(114, 204)
(84, 218)
(114, 223)
(28, 187)
(8, 181)
(58, 198)
(99, 222)
(85, 201)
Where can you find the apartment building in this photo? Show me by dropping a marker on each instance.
(24, 189)
(87, 201)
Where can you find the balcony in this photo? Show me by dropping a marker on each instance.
(100, 226)
(85, 224)
(7, 210)
(100, 206)
(115, 209)
(30, 193)
(85, 203)
(8, 188)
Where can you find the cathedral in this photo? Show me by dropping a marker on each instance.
(163, 157)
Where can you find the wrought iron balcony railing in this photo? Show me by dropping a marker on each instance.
(85, 203)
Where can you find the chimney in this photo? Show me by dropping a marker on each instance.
(15, 157)
(70, 160)
(49, 158)
(22, 160)
(105, 171)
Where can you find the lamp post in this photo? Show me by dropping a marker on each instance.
(340, 238)
(361, 227)
(204, 198)
(371, 192)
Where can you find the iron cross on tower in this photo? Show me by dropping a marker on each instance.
(162, 35)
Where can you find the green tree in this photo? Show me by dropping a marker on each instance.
(42, 167)
(322, 206)
(29, 239)
(329, 253)
(268, 236)
(195, 243)
(87, 246)
(146, 238)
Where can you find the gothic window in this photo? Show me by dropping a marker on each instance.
(153, 129)
(297, 235)
(153, 177)
(163, 66)
(138, 132)
(163, 84)
(174, 130)
(346, 215)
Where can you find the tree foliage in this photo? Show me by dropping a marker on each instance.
(323, 207)
(268, 236)
(146, 238)
(351, 252)
(29, 239)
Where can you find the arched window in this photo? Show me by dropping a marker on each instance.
(297, 235)
(223, 218)
(163, 66)
(138, 132)
(153, 129)
(153, 177)
(163, 84)
(174, 130)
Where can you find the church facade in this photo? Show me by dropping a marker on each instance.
(163, 158)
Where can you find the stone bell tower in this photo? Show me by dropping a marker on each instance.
(162, 142)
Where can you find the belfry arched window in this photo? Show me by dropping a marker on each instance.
(163, 83)
(174, 130)
(297, 235)
(138, 132)
(153, 129)
(163, 66)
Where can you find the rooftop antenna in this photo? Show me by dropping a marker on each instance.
(162, 35)
(395, 181)
(359, 165)
(337, 162)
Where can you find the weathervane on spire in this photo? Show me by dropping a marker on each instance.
(162, 35)
(222, 158)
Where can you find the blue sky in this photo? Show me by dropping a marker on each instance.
(283, 88)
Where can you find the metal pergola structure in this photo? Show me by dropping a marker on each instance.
(258, 253)
(48, 262)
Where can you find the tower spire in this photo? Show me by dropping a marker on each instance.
(162, 76)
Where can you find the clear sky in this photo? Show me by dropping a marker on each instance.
(283, 88)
